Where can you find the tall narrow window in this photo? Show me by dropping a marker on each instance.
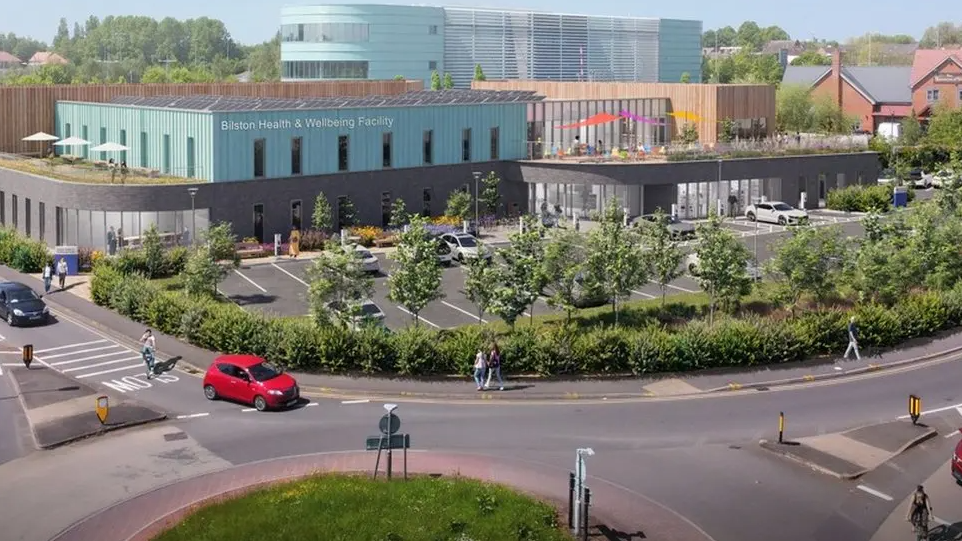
(191, 165)
(103, 139)
(495, 143)
(59, 225)
(428, 155)
(13, 210)
(426, 202)
(386, 207)
(166, 154)
(26, 216)
(66, 130)
(295, 156)
(42, 215)
(3, 208)
(296, 213)
(123, 141)
(342, 144)
(259, 157)
(85, 137)
(386, 149)
(259, 222)
(466, 145)
(143, 149)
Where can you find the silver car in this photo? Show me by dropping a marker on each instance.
(369, 262)
(464, 246)
(677, 228)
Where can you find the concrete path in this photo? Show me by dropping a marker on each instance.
(946, 524)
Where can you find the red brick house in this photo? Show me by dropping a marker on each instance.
(936, 78)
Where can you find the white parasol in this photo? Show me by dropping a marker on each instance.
(109, 147)
(40, 137)
(72, 142)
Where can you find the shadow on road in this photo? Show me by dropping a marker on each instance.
(245, 300)
(610, 534)
(166, 366)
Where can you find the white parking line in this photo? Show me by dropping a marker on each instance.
(465, 312)
(953, 434)
(875, 493)
(365, 401)
(91, 358)
(956, 407)
(58, 348)
(401, 308)
(312, 404)
(686, 290)
(131, 367)
(246, 410)
(100, 364)
(253, 283)
(643, 294)
(278, 267)
(193, 416)
(48, 357)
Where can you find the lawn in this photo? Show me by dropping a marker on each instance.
(355, 508)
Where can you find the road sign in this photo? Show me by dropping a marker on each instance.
(389, 424)
(396, 441)
(103, 408)
(27, 355)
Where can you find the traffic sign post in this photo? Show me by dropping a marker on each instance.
(581, 474)
(915, 408)
(103, 408)
(389, 439)
(27, 355)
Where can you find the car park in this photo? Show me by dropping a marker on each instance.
(444, 252)
(776, 212)
(583, 297)
(464, 246)
(920, 179)
(751, 269)
(369, 262)
(20, 305)
(367, 313)
(943, 178)
(677, 228)
(249, 379)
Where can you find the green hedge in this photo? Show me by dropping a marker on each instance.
(135, 261)
(699, 155)
(25, 255)
(299, 345)
(857, 198)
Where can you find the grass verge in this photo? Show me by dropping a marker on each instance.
(355, 508)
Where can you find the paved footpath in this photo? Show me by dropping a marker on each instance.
(946, 524)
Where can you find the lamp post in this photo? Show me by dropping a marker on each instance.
(477, 223)
(193, 215)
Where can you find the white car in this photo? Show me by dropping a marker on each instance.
(368, 314)
(942, 178)
(924, 180)
(444, 252)
(464, 246)
(776, 212)
(369, 262)
(691, 265)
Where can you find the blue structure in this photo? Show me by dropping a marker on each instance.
(376, 41)
(219, 138)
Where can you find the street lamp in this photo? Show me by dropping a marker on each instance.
(193, 215)
(477, 223)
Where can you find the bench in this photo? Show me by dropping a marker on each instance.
(385, 242)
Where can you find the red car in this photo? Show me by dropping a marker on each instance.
(251, 380)
(957, 461)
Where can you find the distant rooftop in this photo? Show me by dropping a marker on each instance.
(407, 99)
(882, 84)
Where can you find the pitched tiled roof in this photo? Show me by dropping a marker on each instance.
(927, 60)
(7, 58)
(46, 57)
(882, 84)
(803, 75)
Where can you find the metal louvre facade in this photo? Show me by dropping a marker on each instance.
(547, 46)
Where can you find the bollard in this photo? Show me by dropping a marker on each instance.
(584, 517)
(27, 355)
(915, 408)
(571, 500)
(781, 426)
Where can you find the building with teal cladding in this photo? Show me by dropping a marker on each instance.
(222, 139)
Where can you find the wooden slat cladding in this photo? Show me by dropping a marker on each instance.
(712, 103)
(25, 110)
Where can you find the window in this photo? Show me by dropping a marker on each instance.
(296, 213)
(433, 65)
(166, 154)
(466, 145)
(317, 69)
(85, 137)
(495, 143)
(326, 32)
(259, 222)
(103, 139)
(342, 144)
(66, 130)
(191, 165)
(259, 157)
(296, 156)
(426, 202)
(123, 141)
(386, 205)
(43, 219)
(143, 149)
(932, 95)
(428, 157)
(433, 30)
(3, 208)
(59, 225)
(26, 216)
(13, 210)
(386, 149)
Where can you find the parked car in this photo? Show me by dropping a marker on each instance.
(368, 313)
(677, 228)
(444, 252)
(19, 305)
(369, 263)
(464, 246)
(920, 179)
(887, 176)
(249, 379)
(943, 178)
(957, 462)
(752, 270)
(776, 212)
(582, 296)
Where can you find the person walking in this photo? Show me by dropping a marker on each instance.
(494, 367)
(62, 272)
(852, 339)
(480, 363)
(148, 347)
(47, 277)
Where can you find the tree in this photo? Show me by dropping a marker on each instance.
(722, 265)
(727, 130)
(911, 130)
(223, 244)
(563, 266)
(940, 35)
(416, 279)
(459, 204)
(346, 213)
(202, 272)
(448, 82)
(689, 133)
(828, 117)
(435, 80)
(811, 58)
(522, 278)
(398, 77)
(793, 108)
(479, 73)
(615, 263)
(883, 268)
(663, 254)
(490, 197)
(399, 214)
(481, 280)
(945, 127)
(153, 252)
(750, 36)
(685, 78)
(321, 217)
(806, 262)
(338, 285)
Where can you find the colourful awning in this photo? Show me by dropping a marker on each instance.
(600, 118)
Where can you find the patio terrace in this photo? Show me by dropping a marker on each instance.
(85, 171)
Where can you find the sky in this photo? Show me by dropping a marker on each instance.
(253, 21)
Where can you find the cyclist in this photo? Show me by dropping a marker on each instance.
(149, 344)
(920, 508)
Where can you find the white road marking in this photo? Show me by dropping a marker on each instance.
(643, 294)
(401, 308)
(311, 404)
(959, 409)
(11, 364)
(956, 407)
(100, 364)
(245, 410)
(90, 358)
(58, 348)
(253, 283)
(90, 350)
(465, 312)
(193, 416)
(874, 492)
(131, 367)
(686, 290)
(278, 267)
(952, 434)
(365, 401)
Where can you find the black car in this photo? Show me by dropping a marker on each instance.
(19, 305)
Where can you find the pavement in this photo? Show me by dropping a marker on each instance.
(946, 522)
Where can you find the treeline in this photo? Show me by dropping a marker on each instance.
(142, 49)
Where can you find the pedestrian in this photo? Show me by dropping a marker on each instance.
(111, 241)
(480, 363)
(62, 272)
(852, 339)
(494, 367)
(294, 243)
(47, 276)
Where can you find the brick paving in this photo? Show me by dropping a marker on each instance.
(622, 513)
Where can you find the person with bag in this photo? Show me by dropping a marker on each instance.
(480, 364)
(494, 367)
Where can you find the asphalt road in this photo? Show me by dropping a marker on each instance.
(15, 439)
